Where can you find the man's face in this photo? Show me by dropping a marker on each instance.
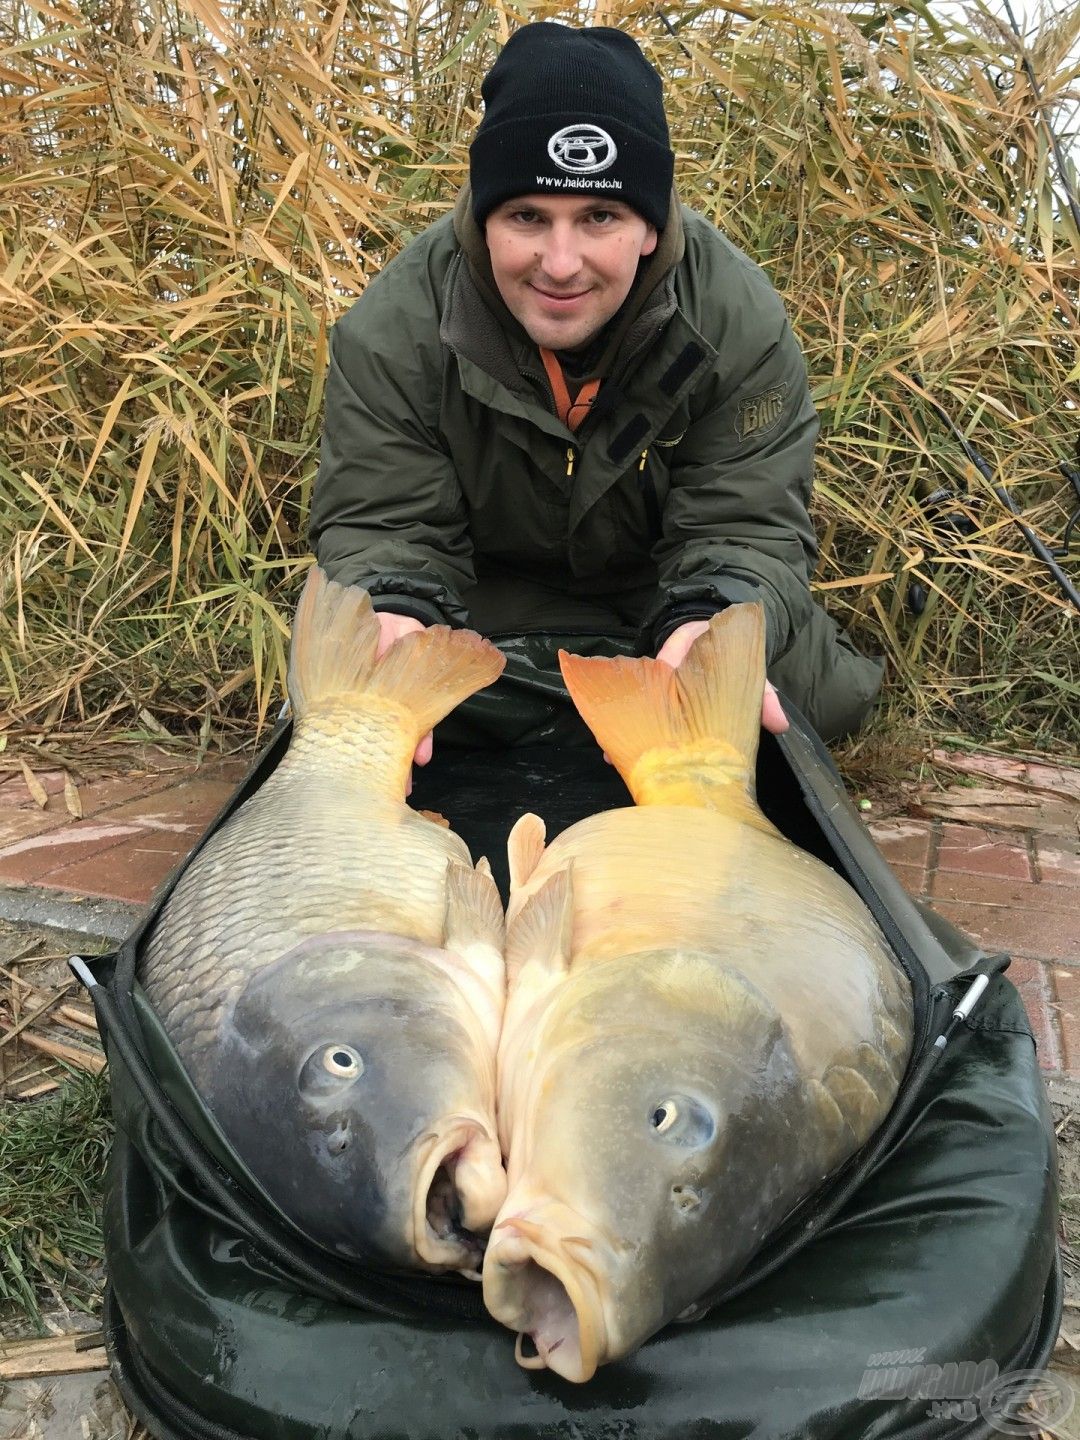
(565, 264)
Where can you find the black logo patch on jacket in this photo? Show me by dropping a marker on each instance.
(758, 414)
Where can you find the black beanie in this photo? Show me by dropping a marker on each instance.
(572, 112)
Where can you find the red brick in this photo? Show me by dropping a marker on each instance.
(1033, 983)
(28, 861)
(16, 793)
(912, 877)
(16, 825)
(902, 842)
(229, 771)
(186, 808)
(982, 852)
(993, 890)
(97, 796)
(127, 872)
(1049, 933)
(1067, 994)
(1057, 864)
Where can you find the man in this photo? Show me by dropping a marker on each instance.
(574, 413)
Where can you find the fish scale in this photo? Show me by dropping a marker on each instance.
(329, 965)
(222, 918)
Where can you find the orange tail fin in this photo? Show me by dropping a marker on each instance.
(687, 736)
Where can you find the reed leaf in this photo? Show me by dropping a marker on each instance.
(192, 193)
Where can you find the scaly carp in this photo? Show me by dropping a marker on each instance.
(703, 1020)
(329, 967)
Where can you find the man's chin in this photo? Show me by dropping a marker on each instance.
(559, 337)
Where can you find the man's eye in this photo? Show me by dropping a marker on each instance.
(603, 217)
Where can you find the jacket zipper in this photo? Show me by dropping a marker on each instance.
(571, 458)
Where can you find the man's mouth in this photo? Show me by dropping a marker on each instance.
(558, 300)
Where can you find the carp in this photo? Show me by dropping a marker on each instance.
(329, 966)
(703, 1021)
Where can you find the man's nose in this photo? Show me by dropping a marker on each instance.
(561, 256)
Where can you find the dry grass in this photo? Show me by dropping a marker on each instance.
(192, 191)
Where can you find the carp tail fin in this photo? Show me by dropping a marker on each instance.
(422, 676)
(687, 736)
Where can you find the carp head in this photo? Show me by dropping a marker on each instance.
(359, 1092)
(664, 1132)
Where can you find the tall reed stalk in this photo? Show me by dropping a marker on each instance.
(191, 191)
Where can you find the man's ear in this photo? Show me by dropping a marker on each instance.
(649, 243)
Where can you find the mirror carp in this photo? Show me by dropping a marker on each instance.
(703, 1021)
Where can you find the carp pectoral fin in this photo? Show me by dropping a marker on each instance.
(524, 848)
(474, 912)
(541, 932)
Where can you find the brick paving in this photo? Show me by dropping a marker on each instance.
(134, 829)
(1015, 888)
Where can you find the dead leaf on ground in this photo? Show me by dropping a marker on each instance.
(71, 798)
(38, 792)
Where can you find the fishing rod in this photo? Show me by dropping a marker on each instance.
(962, 524)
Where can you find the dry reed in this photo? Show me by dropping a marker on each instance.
(191, 191)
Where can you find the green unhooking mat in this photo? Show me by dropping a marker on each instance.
(917, 1295)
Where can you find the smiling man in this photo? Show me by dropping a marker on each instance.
(573, 413)
(564, 266)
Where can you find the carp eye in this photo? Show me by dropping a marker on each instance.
(683, 1121)
(343, 1061)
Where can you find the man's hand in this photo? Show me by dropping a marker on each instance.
(392, 627)
(673, 653)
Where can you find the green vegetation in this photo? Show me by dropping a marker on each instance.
(192, 191)
(52, 1158)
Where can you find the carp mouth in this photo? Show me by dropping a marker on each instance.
(549, 1298)
(459, 1188)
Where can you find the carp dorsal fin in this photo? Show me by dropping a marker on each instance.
(524, 848)
(423, 676)
(685, 736)
(474, 912)
(541, 932)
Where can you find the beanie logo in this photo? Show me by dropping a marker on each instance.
(582, 149)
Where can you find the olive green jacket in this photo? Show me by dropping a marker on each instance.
(450, 490)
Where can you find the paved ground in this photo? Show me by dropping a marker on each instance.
(96, 852)
(998, 854)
